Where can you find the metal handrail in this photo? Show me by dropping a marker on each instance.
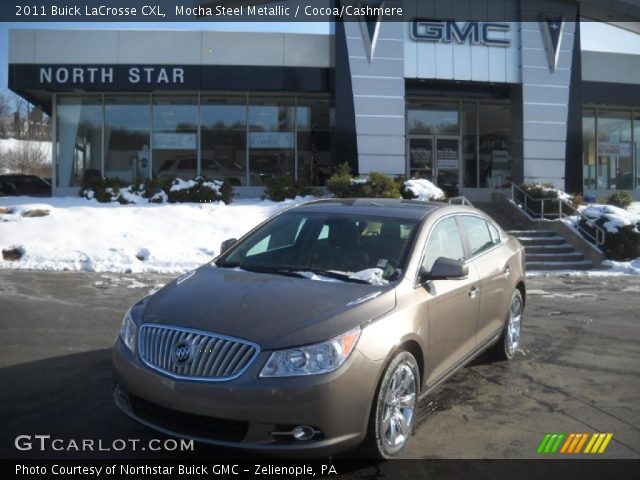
(564, 210)
(460, 201)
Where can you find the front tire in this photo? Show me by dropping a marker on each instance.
(509, 341)
(394, 408)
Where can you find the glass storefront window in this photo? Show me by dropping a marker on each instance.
(175, 137)
(271, 138)
(313, 127)
(469, 157)
(494, 124)
(223, 134)
(589, 171)
(79, 139)
(615, 166)
(127, 125)
(636, 150)
(432, 119)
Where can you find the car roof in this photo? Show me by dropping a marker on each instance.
(391, 207)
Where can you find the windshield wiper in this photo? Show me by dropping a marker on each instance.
(223, 264)
(344, 276)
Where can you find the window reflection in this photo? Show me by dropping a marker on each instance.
(271, 138)
(127, 124)
(224, 138)
(79, 140)
(175, 137)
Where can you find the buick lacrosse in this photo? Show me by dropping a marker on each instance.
(322, 328)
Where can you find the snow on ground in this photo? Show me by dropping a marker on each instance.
(424, 189)
(80, 234)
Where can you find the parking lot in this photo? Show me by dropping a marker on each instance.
(578, 370)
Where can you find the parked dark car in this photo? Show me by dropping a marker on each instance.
(29, 185)
(321, 329)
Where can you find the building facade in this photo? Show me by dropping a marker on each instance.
(472, 105)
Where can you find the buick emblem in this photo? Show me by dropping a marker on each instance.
(182, 353)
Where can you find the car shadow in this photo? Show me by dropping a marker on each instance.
(70, 398)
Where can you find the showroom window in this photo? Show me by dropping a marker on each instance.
(126, 138)
(78, 140)
(271, 138)
(223, 133)
(175, 137)
(240, 139)
(494, 142)
(609, 159)
(313, 137)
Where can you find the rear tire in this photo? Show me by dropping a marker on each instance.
(507, 346)
(394, 408)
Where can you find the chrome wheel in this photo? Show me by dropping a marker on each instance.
(513, 325)
(396, 415)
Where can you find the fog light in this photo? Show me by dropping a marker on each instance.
(303, 432)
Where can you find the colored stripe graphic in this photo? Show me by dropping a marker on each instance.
(550, 443)
(573, 443)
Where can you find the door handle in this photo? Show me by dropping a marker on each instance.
(507, 270)
(473, 292)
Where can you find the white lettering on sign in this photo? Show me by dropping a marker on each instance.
(105, 75)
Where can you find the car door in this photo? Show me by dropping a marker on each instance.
(452, 304)
(492, 267)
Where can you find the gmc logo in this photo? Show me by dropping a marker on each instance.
(448, 31)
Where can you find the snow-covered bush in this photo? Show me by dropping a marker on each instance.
(199, 190)
(373, 185)
(422, 189)
(622, 230)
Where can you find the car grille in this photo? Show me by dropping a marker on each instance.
(190, 424)
(194, 355)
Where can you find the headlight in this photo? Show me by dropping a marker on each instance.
(128, 330)
(311, 359)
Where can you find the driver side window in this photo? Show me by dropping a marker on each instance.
(444, 241)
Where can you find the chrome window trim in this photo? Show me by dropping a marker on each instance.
(197, 332)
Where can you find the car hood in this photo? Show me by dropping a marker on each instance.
(273, 311)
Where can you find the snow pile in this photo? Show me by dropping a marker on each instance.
(371, 275)
(80, 234)
(424, 190)
(616, 217)
(629, 268)
(179, 184)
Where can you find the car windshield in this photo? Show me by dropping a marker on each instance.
(357, 248)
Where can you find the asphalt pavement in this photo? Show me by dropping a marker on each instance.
(577, 370)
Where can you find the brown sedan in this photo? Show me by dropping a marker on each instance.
(322, 328)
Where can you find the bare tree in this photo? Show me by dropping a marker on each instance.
(4, 114)
(29, 157)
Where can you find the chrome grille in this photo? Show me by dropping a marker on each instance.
(193, 354)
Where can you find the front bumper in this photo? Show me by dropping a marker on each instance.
(245, 412)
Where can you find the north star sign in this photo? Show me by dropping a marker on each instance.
(103, 75)
(492, 34)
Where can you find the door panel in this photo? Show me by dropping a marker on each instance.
(452, 304)
(453, 314)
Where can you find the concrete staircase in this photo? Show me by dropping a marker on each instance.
(545, 249)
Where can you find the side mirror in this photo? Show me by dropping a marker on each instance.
(444, 269)
(227, 244)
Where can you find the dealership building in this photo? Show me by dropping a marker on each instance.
(456, 93)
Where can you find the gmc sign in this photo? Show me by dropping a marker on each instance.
(448, 31)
